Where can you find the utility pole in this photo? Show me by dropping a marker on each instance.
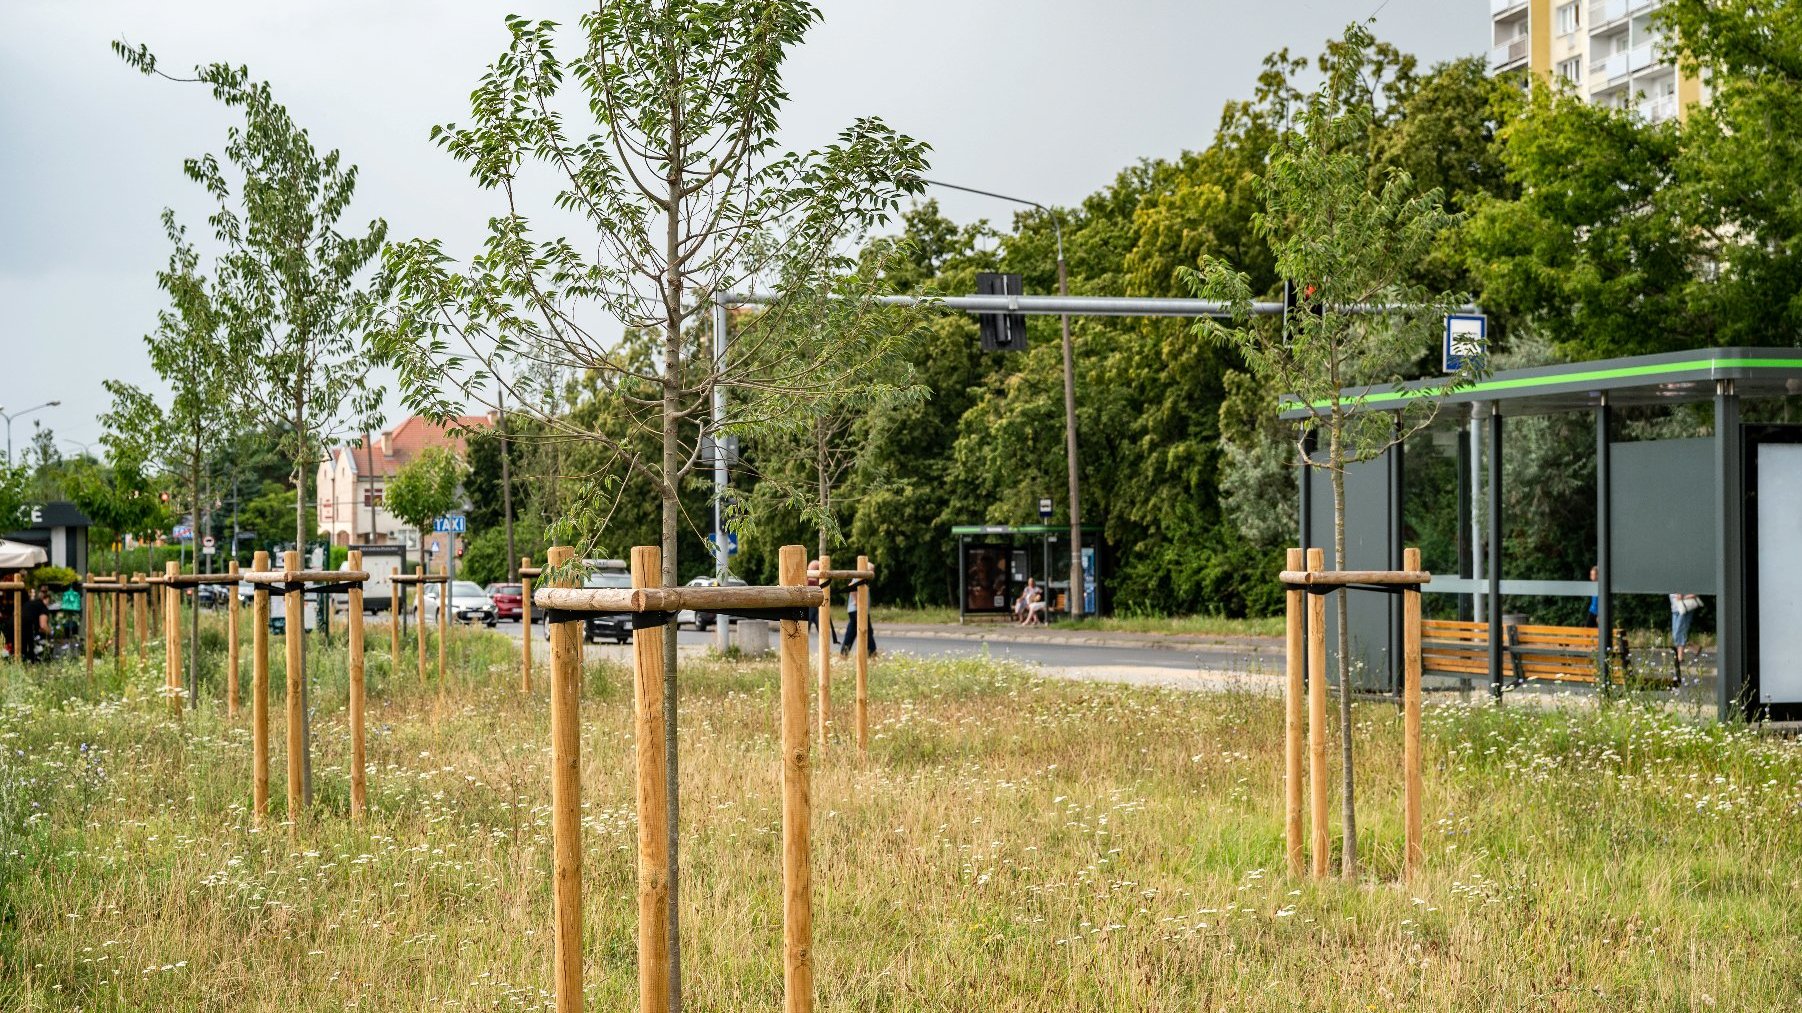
(1070, 455)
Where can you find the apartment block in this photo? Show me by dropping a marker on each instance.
(1607, 51)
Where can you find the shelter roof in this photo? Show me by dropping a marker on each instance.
(1665, 378)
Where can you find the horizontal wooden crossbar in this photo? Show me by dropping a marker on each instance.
(194, 579)
(674, 599)
(420, 578)
(843, 574)
(530, 571)
(13, 585)
(1335, 578)
(303, 576)
(116, 588)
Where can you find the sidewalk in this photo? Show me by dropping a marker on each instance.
(1011, 633)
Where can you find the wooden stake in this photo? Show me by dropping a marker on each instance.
(140, 604)
(863, 662)
(259, 693)
(1317, 772)
(797, 813)
(1294, 691)
(397, 606)
(293, 628)
(444, 596)
(87, 630)
(231, 645)
(18, 627)
(653, 795)
(566, 805)
(354, 644)
(525, 627)
(1411, 664)
(172, 639)
(420, 571)
(825, 652)
(118, 632)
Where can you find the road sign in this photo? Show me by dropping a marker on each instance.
(183, 532)
(1044, 508)
(731, 542)
(455, 525)
(1466, 341)
(206, 546)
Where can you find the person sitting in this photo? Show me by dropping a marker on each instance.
(1032, 598)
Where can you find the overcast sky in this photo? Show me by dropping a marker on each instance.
(1046, 99)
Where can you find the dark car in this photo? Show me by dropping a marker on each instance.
(506, 600)
(614, 626)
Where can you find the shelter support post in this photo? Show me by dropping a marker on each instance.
(1494, 597)
(1729, 482)
(1604, 541)
(1396, 464)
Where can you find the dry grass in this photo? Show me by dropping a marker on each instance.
(1013, 844)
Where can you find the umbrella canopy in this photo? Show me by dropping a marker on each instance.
(20, 556)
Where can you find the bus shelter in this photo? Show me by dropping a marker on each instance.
(1718, 516)
(994, 562)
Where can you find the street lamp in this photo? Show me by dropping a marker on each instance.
(20, 414)
(1063, 289)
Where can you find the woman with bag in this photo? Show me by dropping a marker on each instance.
(1683, 612)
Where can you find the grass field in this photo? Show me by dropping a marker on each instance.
(1012, 844)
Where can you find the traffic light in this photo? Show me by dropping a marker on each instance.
(1001, 332)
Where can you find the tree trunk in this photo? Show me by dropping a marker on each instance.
(300, 546)
(672, 515)
(1348, 854)
(820, 466)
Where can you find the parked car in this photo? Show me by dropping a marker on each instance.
(506, 598)
(467, 602)
(704, 620)
(211, 595)
(614, 626)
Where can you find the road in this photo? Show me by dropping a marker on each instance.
(1188, 665)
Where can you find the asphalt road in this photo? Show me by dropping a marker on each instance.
(1191, 665)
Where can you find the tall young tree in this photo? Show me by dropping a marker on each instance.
(425, 488)
(1346, 236)
(188, 351)
(680, 193)
(287, 280)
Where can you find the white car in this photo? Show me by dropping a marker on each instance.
(704, 620)
(469, 604)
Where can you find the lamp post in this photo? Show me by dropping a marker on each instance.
(1070, 456)
(20, 414)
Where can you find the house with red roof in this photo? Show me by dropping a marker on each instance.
(348, 489)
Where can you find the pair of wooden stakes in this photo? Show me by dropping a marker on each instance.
(1312, 584)
(653, 607)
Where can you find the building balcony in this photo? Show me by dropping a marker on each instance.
(1602, 13)
(1497, 8)
(1657, 110)
(1509, 54)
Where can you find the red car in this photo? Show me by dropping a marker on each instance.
(506, 600)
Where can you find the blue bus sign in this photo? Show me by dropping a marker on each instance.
(1466, 341)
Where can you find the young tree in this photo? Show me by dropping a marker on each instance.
(1346, 237)
(286, 283)
(425, 488)
(682, 196)
(188, 351)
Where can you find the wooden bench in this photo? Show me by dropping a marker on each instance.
(1548, 653)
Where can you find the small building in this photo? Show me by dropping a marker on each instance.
(350, 481)
(60, 529)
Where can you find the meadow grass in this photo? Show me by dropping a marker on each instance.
(1012, 844)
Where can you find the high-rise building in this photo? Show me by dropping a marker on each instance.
(1608, 51)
